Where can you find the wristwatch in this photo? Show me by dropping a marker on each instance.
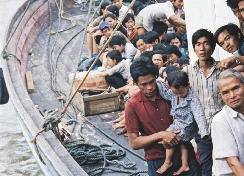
(237, 61)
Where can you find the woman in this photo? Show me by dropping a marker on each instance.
(139, 44)
(94, 26)
(129, 23)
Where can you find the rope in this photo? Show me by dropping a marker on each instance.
(95, 61)
(88, 154)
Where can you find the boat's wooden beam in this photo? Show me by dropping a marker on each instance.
(29, 82)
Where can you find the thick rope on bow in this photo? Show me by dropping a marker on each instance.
(51, 122)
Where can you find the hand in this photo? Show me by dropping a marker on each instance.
(170, 137)
(90, 30)
(167, 146)
(98, 32)
(229, 62)
(176, 64)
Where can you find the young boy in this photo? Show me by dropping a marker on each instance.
(188, 115)
(122, 8)
(151, 38)
(125, 48)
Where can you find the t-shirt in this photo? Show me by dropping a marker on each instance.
(148, 117)
(156, 12)
(122, 11)
(130, 51)
(123, 67)
(227, 136)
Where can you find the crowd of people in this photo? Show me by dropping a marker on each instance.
(170, 102)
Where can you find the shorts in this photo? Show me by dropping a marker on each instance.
(138, 22)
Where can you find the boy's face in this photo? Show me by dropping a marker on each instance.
(182, 92)
(107, 32)
(203, 49)
(118, 3)
(120, 48)
(228, 42)
(178, 4)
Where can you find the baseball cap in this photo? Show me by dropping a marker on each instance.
(103, 25)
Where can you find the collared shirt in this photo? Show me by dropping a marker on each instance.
(156, 12)
(206, 89)
(227, 136)
(130, 51)
(148, 117)
(188, 114)
(123, 67)
(122, 11)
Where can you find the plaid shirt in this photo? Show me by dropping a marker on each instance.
(206, 89)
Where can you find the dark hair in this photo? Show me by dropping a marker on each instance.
(103, 7)
(127, 18)
(232, 30)
(114, 10)
(150, 37)
(117, 40)
(164, 56)
(170, 69)
(182, 16)
(147, 54)
(136, 38)
(172, 36)
(115, 55)
(160, 27)
(172, 49)
(203, 33)
(177, 79)
(138, 9)
(141, 67)
(232, 3)
(182, 61)
(136, 5)
(159, 46)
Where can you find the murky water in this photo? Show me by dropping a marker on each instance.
(16, 158)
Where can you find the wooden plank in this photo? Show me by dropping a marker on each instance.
(29, 81)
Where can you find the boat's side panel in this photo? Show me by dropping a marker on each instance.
(56, 156)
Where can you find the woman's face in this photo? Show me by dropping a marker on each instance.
(141, 45)
(130, 24)
(111, 21)
(111, 62)
(158, 60)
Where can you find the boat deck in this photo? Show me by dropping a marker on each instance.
(46, 99)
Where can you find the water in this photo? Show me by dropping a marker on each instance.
(16, 157)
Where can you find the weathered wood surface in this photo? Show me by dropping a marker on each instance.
(46, 99)
(29, 82)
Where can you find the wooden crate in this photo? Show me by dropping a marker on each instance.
(96, 104)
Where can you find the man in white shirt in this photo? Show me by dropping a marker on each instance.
(157, 12)
(122, 8)
(227, 126)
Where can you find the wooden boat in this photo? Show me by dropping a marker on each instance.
(26, 50)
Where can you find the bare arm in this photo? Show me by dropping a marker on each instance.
(176, 20)
(230, 62)
(139, 142)
(235, 165)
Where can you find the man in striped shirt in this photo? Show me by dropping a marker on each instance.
(203, 76)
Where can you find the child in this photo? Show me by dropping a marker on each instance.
(127, 49)
(119, 72)
(188, 115)
(122, 8)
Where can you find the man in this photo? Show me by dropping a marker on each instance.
(157, 12)
(151, 38)
(203, 76)
(161, 28)
(122, 8)
(227, 126)
(147, 117)
(231, 39)
(233, 4)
